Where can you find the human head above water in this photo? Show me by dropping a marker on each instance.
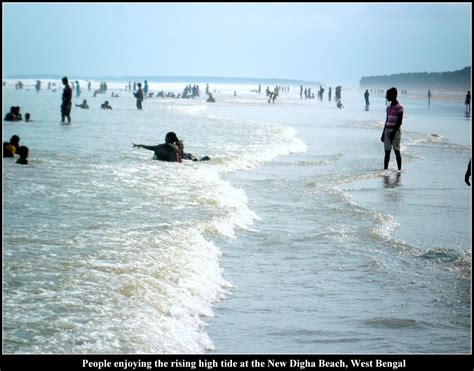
(23, 151)
(171, 137)
(27, 116)
(15, 139)
(392, 94)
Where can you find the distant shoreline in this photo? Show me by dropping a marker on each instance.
(440, 95)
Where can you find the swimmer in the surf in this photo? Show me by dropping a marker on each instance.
(83, 105)
(23, 152)
(172, 150)
(106, 105)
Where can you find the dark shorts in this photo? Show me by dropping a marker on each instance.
(66, 109)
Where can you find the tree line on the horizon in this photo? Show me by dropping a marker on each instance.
(457, 80)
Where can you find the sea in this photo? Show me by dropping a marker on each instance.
(291, 239)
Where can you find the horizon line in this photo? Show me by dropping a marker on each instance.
(128, 77)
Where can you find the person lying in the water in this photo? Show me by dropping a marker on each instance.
(171, 151)
(83, 105)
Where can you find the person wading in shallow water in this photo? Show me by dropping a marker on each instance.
(139, 96)
(392, 134)
(67, 102)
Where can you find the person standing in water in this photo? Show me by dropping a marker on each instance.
(78, 89)
(429, 96)
(67, 101)
(366, 96)
(145, 89)
(392, 134)
(467, 102)
(139, 95)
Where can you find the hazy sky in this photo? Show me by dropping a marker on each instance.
(331, 42)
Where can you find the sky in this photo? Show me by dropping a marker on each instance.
(326, 42)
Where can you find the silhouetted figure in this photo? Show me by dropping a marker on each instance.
(28, 117)
(211, 99)
(169, 151)
(78, 89)
(391, 135)
(38, 86)
(145, 89)
(366, 96)
(13, 115)
(429, 96)
(23, 153)
(106, 105)
(467, 102)
(301, 91)
(259, 88)
(89, 86)
(139, 95)
(338, 92)
(329, 93)
(66, 101)
(467, 176)
(11, 148)
(339, 104)
(272, 96)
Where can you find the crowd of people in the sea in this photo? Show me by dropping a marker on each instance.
(173, 149)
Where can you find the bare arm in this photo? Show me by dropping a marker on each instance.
(150, 148)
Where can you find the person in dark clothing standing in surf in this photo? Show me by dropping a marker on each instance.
(67, 102)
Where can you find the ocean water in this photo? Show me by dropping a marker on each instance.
(292, 239)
